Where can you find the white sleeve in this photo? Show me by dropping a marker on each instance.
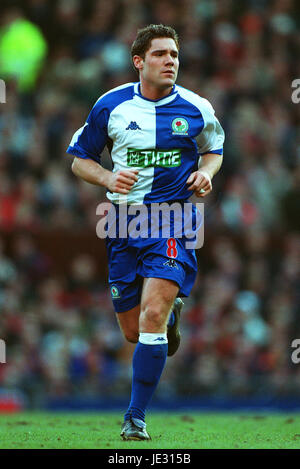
(211, 137)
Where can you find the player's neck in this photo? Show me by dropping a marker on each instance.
(154, 93)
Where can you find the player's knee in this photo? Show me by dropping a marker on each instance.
(152, 319)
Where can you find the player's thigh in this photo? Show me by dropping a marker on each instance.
(129, 323)
(158, 296)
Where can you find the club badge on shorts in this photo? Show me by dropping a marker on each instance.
(115, 294)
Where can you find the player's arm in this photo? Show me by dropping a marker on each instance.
(87, 145)
(90, 171)
(201, 180)
(210, 146)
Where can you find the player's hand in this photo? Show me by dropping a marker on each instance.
(200, 183)
(122, 181)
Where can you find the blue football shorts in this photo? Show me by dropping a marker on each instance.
(131, 259)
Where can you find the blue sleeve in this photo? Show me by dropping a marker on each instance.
(90, 140)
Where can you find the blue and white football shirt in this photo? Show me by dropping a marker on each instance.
(163, 139)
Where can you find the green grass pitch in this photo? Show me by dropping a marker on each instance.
(169, 431)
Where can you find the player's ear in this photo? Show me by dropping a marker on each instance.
(138, 62)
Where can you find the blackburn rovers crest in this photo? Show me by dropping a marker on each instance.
(180, 126)
(115, 292)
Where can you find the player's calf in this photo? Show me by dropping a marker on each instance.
(132, 336)
(129, 324)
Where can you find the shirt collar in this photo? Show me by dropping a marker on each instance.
(154, 102)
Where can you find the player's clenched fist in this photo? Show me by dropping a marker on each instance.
(200, 183)
(122, 181)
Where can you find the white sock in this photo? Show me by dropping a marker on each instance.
(153, 338)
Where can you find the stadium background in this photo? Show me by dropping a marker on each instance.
(56, 316)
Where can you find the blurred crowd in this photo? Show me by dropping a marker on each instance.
(243, 314)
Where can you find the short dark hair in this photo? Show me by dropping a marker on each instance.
(145, 35)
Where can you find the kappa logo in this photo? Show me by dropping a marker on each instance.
(160, 339)
(171, 263)
(180, 126)
(133, 126)
(115, 292)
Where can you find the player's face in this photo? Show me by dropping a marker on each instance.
(159, 68)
